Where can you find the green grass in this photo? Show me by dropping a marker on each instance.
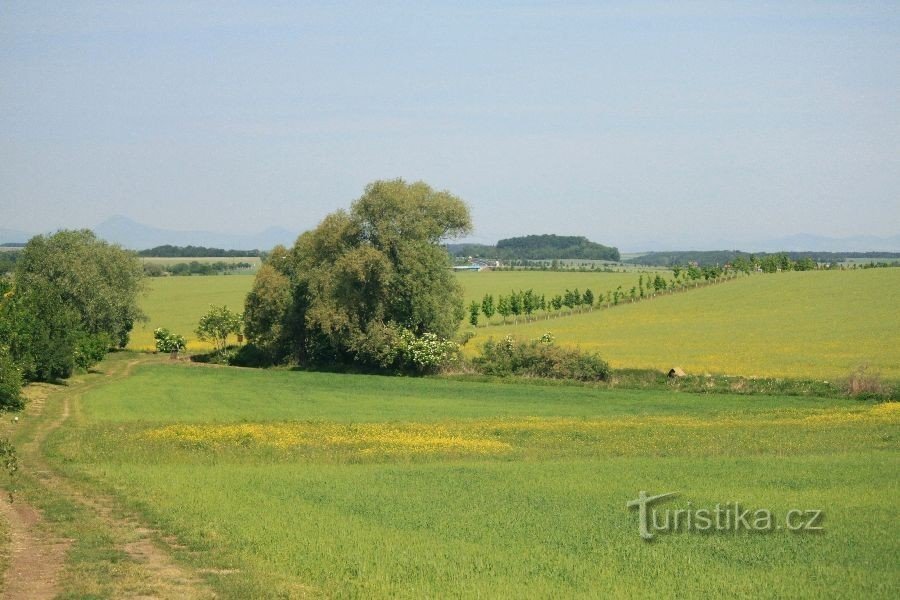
(177, 303)
(366, 486)
(820, 324)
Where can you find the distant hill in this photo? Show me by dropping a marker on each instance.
(539, 247)
(136, 236)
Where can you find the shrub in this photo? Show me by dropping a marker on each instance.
(540, 358)
(168, 342)
(389, 346)
(90, 349)
(867, 384)
(10, 383)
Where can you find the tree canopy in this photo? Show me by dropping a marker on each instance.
(376, 268)
(73, 296)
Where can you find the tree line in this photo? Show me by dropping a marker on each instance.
(528, 304)
(195, 268)
(169, 251)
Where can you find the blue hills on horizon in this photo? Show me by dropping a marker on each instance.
(137, 236)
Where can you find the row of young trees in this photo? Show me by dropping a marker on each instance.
(72, 297)
(527, 303)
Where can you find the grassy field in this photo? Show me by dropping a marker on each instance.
(300, 484)
(477, 284)
(819, 324)
(177, 303)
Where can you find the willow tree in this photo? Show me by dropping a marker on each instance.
(362, 273)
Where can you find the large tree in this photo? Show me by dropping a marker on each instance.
(380, 264)
(99, 281)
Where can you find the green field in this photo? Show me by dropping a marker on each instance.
(817, 324)
(311, 484)
(177, 303)
(477, 284)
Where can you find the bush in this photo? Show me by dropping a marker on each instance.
(251, 355)
(863, 383)
(168, 342)
(540, 358)
(389, 346)
(10, 383)
(90, 349)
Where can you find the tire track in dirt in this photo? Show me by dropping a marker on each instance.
(37, 557)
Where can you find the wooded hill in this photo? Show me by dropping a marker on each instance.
(538, 247)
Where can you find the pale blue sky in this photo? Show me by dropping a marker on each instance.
(625, 122)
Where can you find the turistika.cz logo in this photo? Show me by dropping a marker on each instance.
(728, 517)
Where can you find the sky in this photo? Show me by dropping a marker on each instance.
(683, 123)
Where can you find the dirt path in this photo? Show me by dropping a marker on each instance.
(37, 557)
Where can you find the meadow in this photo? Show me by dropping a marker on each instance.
(818, 324)
(177, 303)
(293, 483)
(814, 324)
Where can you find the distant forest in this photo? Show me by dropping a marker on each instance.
(538, 247)
(196, 252)
(720, 257)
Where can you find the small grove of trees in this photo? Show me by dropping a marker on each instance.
(71, 298)
(367, 286)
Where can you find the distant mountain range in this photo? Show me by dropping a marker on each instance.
(802, 242)
(137, 236)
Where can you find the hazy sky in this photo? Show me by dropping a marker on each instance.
(623, 122)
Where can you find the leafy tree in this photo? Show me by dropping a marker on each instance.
(633, 294)
(557, 303)
(266, 307)
(474, 309)
(41, 332)
(503, 308)
(10, 382)
(588, 298)
(379, 264)
(487, 307)
(529, 303)
(515, 305)
(97, 280)
(217, 324)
